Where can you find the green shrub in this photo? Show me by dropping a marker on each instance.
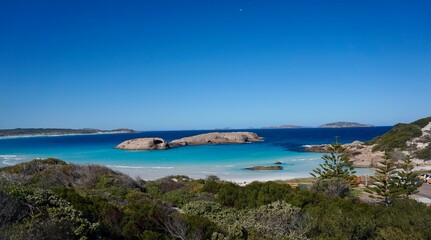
(396, 138)
(424, 153)
(422, 122)
(332, 187)
(33, 166)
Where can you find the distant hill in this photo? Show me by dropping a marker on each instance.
(222, 129)
(415, 138)
(56, 131)
(282, 126)
(344, 125)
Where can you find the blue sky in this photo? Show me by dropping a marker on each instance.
(202, 64)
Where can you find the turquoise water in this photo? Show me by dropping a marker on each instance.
(226, 161)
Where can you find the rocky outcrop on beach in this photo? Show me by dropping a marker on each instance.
(217, 138)
(360, 154)
(365, 155)
(144, 144)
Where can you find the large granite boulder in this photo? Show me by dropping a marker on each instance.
(217, 138)
(144, 144)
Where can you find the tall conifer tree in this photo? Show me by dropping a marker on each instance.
(337, 165)
(385, 183)
(408, 180)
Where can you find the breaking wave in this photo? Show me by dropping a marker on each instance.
(12, 159)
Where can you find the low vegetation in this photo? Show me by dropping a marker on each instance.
(397, 137)
(49, 199)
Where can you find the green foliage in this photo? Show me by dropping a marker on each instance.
(108, 205)
(333, 187)
(408, 179)
(202, 208)
(252, 195)
(48, 207)
(396, 138)
(336, 165)
(200, 226)
(91, 207)
(422, 122)
(424, 153)
(277, 220)
(174, 192)
(385, 184)
(211, 184)
(33, 166)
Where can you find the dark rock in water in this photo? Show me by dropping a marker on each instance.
(278, 162)
(259, 168)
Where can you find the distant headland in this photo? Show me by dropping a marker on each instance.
(21, 132)
(283, 126)
(344, 125)
(327, 125)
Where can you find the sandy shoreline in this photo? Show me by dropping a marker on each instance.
(137, 173)
(60, 135)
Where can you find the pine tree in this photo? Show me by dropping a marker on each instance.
(385, 185)
(337, 165)
(408, 180)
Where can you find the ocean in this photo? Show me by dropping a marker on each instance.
(225, 161)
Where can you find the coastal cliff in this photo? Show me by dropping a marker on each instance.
(413, 139)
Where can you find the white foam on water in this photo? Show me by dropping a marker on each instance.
(11, 159)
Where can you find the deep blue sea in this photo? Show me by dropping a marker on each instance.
(226, 161)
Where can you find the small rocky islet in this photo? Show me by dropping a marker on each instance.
(263, 168)
(156, 143)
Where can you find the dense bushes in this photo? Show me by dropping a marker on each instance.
(109, 205)
(422, 122)
(276, 220)
(424, 153)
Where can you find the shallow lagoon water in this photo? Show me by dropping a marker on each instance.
(226, 161)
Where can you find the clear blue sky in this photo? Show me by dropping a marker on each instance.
(205, 64)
